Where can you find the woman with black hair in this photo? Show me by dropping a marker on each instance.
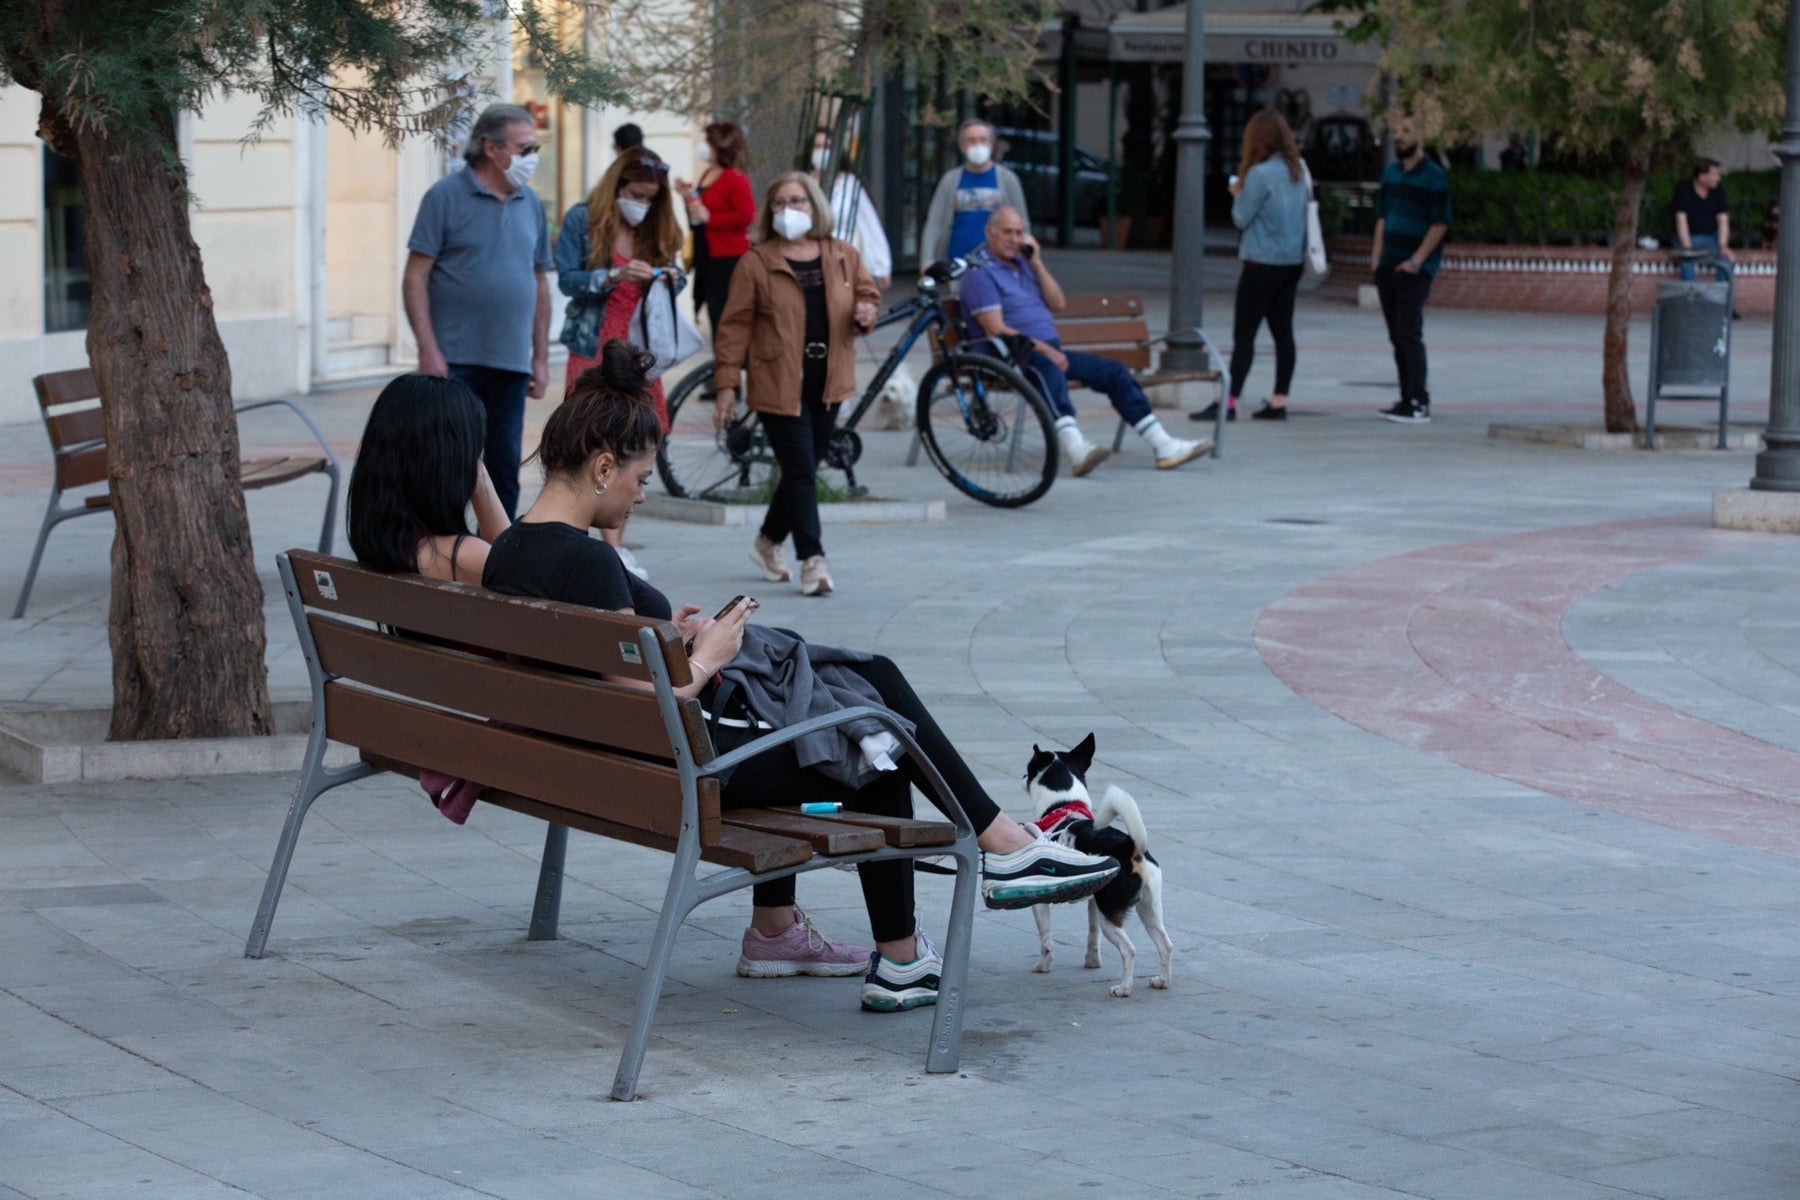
(598, 450)
(417, 471)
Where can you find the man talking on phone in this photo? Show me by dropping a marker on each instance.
(1010, 292)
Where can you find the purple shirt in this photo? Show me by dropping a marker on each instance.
(1011, 287)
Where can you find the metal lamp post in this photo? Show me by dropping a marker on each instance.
(1778, 466)
(1186, 349)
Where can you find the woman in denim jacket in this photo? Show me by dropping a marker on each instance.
(1269, 204)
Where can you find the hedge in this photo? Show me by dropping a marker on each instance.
(1543, 208)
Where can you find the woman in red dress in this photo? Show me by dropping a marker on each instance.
(611, 248)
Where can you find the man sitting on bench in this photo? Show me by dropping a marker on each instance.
(1011, 291)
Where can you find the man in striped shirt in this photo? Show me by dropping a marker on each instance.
(1411, 218)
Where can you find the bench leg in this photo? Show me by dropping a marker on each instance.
(945, 1052)
(315, 781)
(912, 451)
(683, 893)
(549, 889)
(1119, 436)
(52, 517)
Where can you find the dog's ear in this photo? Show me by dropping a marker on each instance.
(1083, 752)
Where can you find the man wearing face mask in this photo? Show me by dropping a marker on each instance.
(477, 286)
(956, 221)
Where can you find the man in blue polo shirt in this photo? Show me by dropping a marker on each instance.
(477, 283)
(1411, 218)
(1011, 291)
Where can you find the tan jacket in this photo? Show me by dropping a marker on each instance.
(762, 331)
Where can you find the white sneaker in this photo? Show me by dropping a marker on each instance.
(1044, 872)
(1180, 450)
(815, 576)
(770, 560)
(1092, 457)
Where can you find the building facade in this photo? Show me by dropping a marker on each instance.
(302, 232)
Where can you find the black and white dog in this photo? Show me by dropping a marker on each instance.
(1056, 781)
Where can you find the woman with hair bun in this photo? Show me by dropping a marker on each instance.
(597, 452)
(614, 246)
(417, 472)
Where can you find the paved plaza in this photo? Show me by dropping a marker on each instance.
(1473, 768)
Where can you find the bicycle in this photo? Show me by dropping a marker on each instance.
(984, 425)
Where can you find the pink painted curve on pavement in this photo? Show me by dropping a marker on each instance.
(1458, 651)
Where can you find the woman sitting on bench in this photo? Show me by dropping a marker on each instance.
(597, 451)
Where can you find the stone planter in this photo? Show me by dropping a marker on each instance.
(1565, 279)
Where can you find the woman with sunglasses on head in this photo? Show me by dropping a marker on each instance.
(797, 302)
(615, 245)
(720, 210)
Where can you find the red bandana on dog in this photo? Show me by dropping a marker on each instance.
(1052, 822)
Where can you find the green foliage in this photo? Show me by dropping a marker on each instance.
(1546, 208)
(394, 67)
(1616, 80)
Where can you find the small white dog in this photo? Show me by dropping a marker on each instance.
(1056, 781)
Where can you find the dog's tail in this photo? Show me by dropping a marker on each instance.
(1118, 805)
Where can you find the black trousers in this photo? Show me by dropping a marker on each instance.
(713, 284)
(777, 778)
(1264, 293)
(798, 443)
(1403, 295)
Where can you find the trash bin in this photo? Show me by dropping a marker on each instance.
(1690, 349)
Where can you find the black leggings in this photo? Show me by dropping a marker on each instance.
(799, 444)
(714, 286)
(1264, 292)
(777, 778)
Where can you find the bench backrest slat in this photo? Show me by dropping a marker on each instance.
(588, 710)
(1082, 334)
(72, 415)
(580, 778)
(560, 635)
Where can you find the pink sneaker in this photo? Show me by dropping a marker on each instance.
(802, 950)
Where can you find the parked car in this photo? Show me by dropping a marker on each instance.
(1032, 155)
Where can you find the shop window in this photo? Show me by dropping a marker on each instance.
(67, 292)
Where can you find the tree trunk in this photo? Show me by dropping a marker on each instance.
(1615, 372)
(186, 625)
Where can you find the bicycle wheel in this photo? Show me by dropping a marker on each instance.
(698, 462)
(987, 430)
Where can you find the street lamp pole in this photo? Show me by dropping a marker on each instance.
(1186, 349)
(1778, 466)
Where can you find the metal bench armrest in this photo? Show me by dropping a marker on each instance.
(330, 455)
(782, 737)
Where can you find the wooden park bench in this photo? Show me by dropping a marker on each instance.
(414, 673)
(69, 402)
(1114, 327)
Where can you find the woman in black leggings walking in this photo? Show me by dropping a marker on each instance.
(1269, 205)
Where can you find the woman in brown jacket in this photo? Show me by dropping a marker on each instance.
(788, 333)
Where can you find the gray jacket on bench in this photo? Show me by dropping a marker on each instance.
(784, 680)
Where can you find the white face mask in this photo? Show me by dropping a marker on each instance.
(793, 224)
(634, 211)
(523, 167)
(703, 153)
(820, 157)
(979, 154)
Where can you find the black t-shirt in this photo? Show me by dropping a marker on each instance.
(552, 561)
(818, 325)
(1703, 212)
